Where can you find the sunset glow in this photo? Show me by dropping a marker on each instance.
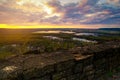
(59, 13)
(41, 26)
(5, 26)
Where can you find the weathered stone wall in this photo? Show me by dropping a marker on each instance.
(65, 66)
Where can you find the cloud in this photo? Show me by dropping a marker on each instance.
(92, 2)
(59, 11)
(92, 13)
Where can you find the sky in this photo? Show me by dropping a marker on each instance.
(59, 13)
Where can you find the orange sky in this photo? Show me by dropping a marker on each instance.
(54, 26)
(42, 26)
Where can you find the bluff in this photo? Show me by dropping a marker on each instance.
(83, 63)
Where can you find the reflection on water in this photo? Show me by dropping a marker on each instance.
(66, 32)
(47, 32)
(84, 40)
(53, 37)
(86, 34)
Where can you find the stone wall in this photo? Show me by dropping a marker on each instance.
(62, 66)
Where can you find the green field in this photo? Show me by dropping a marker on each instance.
(17, 44)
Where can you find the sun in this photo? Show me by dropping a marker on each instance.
(47, 9)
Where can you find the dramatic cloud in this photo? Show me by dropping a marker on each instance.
(59, 12)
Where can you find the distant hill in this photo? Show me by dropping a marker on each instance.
(110, 29)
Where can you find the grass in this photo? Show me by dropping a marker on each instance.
(111, 75)
(45, 45)
(5, 55)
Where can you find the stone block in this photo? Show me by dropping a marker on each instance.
(34, 73)
(78, 67)
(62, 74)
(64, 65)
(88, 61)
(88, 68)
(47, 77)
